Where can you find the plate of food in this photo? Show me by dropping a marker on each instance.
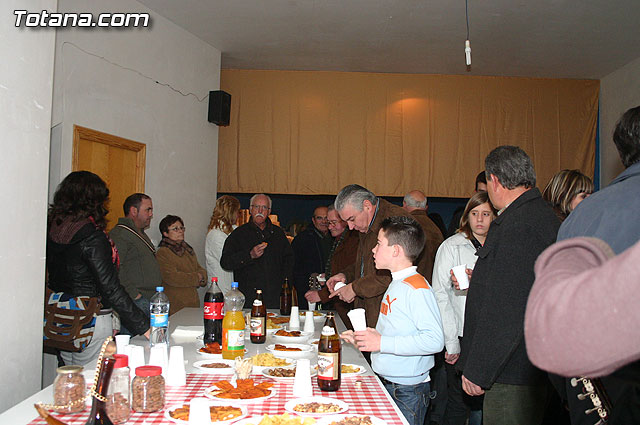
(348, 370)
(283, 335)
(279, 320)
(315, 343)
(315, 406)
(284, 419)
(245, 391)
(211, 350)
(285, 373)
(273, 327)
(263, 360)
(221, 413)
(292, 351)
(217, 366)
(318, 316)
(347, 419)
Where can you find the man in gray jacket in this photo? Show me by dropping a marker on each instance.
(139, 271)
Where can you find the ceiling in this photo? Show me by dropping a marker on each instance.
(536, 38)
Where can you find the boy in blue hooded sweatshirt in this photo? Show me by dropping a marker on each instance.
(409, 328)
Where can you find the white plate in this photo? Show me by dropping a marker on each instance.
(314, 343)
(218, 371)
(305, 349)
(316, 318)
(255, 420)
(245, 412)
(304, 336)
(289, 405)
(328, 420)
(237, 400)
(361, 370)
(313, 372)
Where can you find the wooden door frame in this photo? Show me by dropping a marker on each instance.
(83, 133)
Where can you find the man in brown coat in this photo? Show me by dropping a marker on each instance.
(415, 203)
(364, 212)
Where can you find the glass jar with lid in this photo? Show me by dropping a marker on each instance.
(147, 389)
(118, 408)
(69, 389)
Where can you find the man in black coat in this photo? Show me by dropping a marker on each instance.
(259, 254)
(311, 249)
(493, 359)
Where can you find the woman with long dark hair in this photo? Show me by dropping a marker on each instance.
(456, 250)
(82, 260)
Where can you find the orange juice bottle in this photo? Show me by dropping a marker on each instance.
(233, 324)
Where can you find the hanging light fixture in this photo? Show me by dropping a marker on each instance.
(467, 43)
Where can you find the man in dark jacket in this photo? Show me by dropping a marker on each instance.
(493, 357)
(311, 249)
(259, 254)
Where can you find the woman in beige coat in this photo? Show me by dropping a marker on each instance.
(181, 273)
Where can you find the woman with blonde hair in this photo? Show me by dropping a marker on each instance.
(223, 222)
(566, 190)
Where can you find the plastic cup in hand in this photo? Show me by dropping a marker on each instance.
(308, 322)
(294, 320)
(339, 285)
(302, 386)
(121, 342)
(199, 412)
(158, 357)
(461, 276)
(358, 319)
(176, 375)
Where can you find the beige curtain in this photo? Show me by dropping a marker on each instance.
(299, 132)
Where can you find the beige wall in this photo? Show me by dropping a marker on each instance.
(131, 83)
(26, 78)
(619, 91)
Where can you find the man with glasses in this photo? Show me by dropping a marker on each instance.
(259, 254)
(311, 249)
(139, 270)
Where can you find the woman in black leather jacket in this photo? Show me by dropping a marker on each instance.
(82, 260)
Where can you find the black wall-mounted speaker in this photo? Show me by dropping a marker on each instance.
(219, 107)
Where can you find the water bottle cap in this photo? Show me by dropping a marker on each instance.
(159, 288)
(234, 284)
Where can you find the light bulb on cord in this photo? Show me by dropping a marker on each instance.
(467, 52)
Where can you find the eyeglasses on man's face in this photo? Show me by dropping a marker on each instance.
(177, 229)
(260, 207)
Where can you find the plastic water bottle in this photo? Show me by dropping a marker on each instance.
(159, 318)
(233, 324)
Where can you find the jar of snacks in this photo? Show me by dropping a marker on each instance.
(147, 389)
(118, 408)
(68, 390)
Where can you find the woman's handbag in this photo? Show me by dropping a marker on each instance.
(69, 321)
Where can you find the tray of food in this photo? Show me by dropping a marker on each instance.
(221, 413)
(315, 406)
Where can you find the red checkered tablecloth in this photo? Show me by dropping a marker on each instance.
(369, 399)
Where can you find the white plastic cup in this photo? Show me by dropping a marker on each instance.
(339, 285)
(294, 320)
(158, 357)
(176, 375)
(312, 306)
(121, 342)
(358, 319)
(199, 412)
(308, 322)
(461, 276)
(302, 386)
(136, 358)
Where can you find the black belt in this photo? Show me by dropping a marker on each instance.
(105, 311)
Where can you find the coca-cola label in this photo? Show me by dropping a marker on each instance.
(328, 366)
(213, 311)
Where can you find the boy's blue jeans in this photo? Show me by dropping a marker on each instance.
(412, 400)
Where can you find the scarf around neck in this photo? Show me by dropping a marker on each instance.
(177, 248)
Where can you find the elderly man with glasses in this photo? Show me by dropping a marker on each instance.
(259, 254)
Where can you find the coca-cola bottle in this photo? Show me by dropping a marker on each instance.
(213, 313)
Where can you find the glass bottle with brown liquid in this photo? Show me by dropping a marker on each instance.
(329, 356)
(285, 298)
(258, 320)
